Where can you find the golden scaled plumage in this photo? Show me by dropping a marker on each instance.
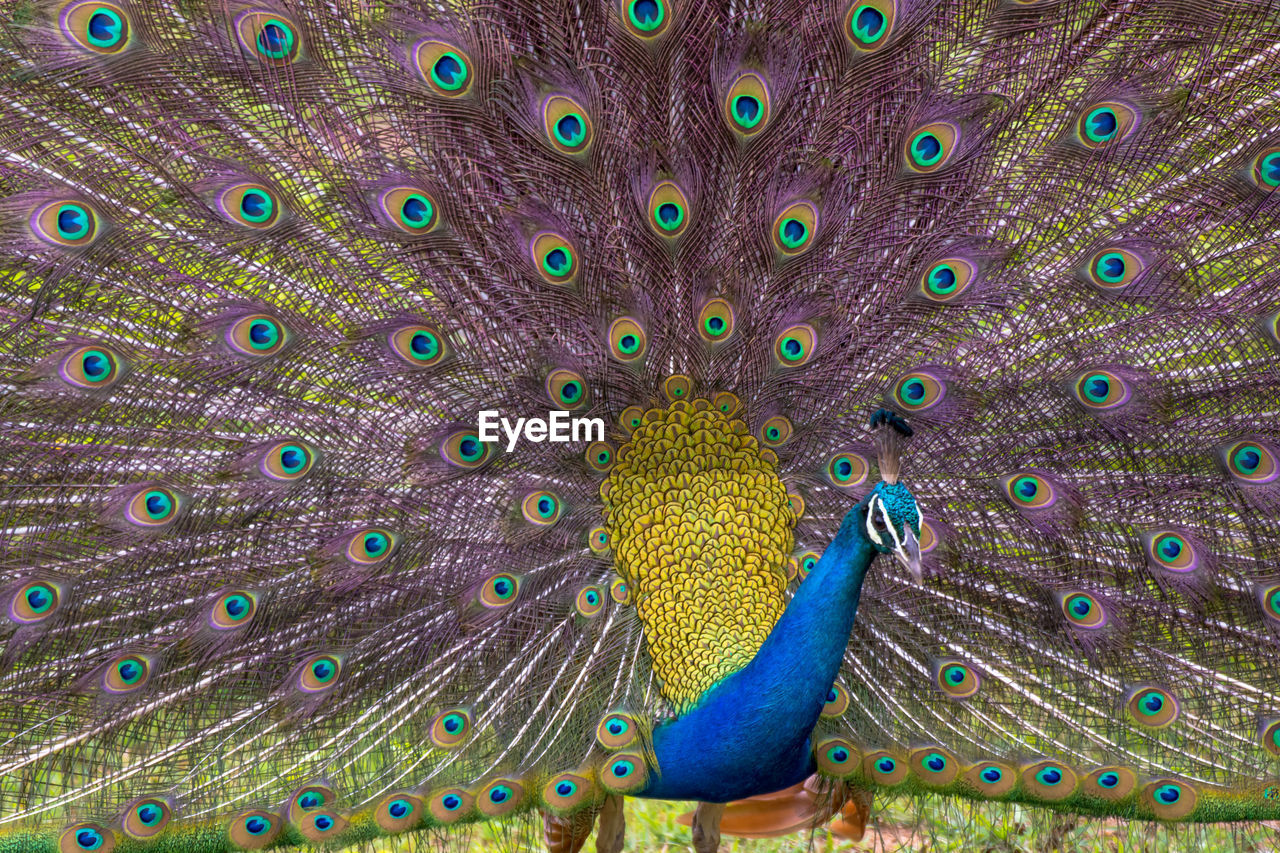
(702, 532)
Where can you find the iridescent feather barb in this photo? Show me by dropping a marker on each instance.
(265, 263)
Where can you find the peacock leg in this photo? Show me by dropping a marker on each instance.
(612, 826)
(706, 827)
(567, 834)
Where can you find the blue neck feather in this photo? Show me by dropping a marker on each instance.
(749, 734)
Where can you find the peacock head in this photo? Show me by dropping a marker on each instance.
(893, 519)
(893, 524)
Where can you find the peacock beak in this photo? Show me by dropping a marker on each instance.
(908, 553)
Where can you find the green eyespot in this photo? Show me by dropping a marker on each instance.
(568, 127)
(746, 105)
(931, 147)
(271, 38)
(445, 68)
(868, 26)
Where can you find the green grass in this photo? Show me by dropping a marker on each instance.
(903, 824)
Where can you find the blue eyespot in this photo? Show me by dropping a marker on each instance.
(451, 802)
(256, 826)
(992, 775)
(399, 808)
(1109, 780)
(886, 765)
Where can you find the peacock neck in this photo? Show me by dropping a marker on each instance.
(749, 734)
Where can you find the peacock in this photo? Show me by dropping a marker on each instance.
(419, 413)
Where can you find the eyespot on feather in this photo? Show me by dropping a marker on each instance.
(868, 26)
(126, 674)
(1250, 463)
(269, 37)
(589, 601)
(726, 404)
(1171, 551)
(716, 321)
(669, 211)
(1029, 491)
(776, 431)
(1265, 172)
(541, 508)
(930, 147)
(499, 591)
(837, 701)
(310, 797)
(450, 728)
(254, 829)
(885, 769)
(677, 387)
(1109, 783)
(67, 223)
(955, 678)
(1269, 600)
(598, 540)
(627, 341)
(918, 391)
(646, 19)
(991, 778)
(446, 69)
(1101, 390)
(837, 757)
(319, 674)
(86, 838)
(1168, 799)
(566, 791)
(399, 812)
(944, 281)
(619, 591)
(934, 766)
(464, 449)
(1269, 735)
(599, 456)
(1151, 707)
(410, 210)
(250, 205)
(321, 825)
(847, 469)
(371, 547)
(257, 336)
(795, 228)
(96, 26)
(928, 537)
(746, 105)
(153, 507)
(232, 609)
(450, 805)
(794, 346)
(91, 368)
(554, 258)
(567, 124)
(1083, 610)
(146, 817)
(1114, 269)
(806, 562)
(1105, 123)
(566, 389)
(287, 461)
(624, 773)
(499, 797)
(1049, 780)
(631, 418)
(617, 730)
(34, 602)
